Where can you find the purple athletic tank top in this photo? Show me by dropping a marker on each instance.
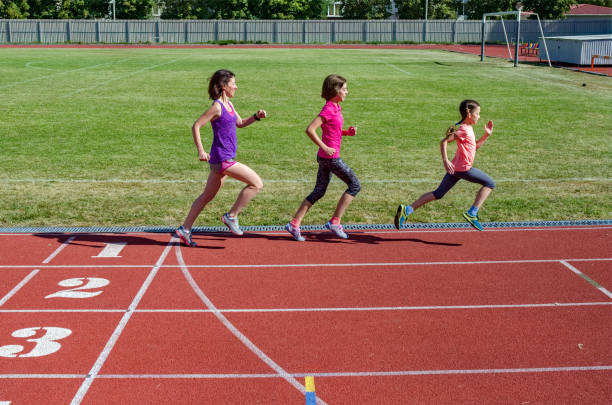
(224, 136)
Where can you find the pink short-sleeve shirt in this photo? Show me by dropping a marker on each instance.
(466, 148)
(331, 129)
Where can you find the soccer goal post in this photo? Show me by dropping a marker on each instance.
(517, 14)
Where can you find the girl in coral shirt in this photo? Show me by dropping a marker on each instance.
(460, 167)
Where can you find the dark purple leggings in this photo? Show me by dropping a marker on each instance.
(336, 166)
(473, 175)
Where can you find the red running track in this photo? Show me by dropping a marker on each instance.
(504, 316)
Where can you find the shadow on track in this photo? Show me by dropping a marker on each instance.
(93, 240)
(354, 237)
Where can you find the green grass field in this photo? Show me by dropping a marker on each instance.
(103, 136)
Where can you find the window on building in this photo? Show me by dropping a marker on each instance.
(334, 9)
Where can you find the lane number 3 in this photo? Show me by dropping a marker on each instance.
(43, 346)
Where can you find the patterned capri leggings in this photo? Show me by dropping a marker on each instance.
(473, 175)
(327, 167)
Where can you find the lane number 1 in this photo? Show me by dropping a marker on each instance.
(111, 250)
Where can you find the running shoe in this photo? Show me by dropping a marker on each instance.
(232, 224)
(336, 229)
(295, 232)
(473, 220)
(185, 236)
(400, 216)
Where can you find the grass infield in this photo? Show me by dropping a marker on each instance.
(103, 136)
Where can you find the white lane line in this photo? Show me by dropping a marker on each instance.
(93, 373)
(124, 76)
(194, 376)
(398, 68)
(587, 278)
(332, 309)
(77, 266)
(43, 376)
(66, 311)
(467, 371)
(59, 73)
(292, 265)
(375, 373)
(59, 249)
(297, 181)
(322, 375)
(379, 264)
(18, 287)
(246, 341)
(403, 308)
(31, 65)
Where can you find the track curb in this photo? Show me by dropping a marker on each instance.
(267, 228)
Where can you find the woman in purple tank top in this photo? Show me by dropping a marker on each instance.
(224, 120)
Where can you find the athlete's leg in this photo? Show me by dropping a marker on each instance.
(301, 212)
(343, 203)
(401, 215)
(253, 182)
(481, 196)
(422, 200)
(475, 175)
(348, 176)
(213, 184)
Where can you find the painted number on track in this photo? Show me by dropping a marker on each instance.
(79, 287)
(112, 249)
(45, 345)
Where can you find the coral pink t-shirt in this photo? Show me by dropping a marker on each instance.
(466, 148)
(331, 129)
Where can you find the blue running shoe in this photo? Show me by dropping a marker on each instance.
(473, 220)
(337, 230)
(400, 216)
(295, 232)
(185, 236)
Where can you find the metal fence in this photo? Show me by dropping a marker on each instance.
(285, 31)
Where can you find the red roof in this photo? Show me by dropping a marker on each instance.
(589, 9)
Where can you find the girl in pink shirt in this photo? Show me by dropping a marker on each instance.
(460, 167)
(330, 121)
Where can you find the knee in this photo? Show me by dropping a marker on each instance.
(314, 197)
(354, 188)
(438, 195)
(256, 186)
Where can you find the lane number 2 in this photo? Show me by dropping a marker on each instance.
(80, 287)
(45, 345)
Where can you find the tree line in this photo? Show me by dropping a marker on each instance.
(275, 9)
